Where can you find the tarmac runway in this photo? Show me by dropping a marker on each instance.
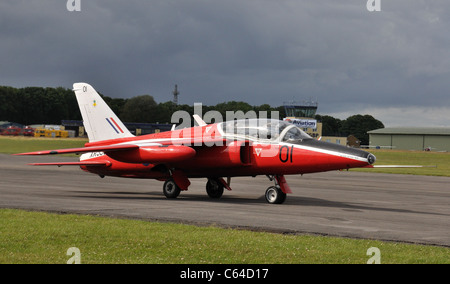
(402, 208)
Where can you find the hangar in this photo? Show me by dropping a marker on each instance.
(411, 138)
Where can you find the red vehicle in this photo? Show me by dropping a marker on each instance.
(28, 131)
(12, 131)
(216, 151)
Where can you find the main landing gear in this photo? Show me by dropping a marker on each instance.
(275, 194)
(214, 188)
(171, 189)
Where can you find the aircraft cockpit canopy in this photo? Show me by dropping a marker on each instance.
(262, 129)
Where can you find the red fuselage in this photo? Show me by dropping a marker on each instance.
(208, 152)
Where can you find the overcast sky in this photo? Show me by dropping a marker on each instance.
(393, 64)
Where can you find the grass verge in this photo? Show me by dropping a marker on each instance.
(37, 237)
(395, 157)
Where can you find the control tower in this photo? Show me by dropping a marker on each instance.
(302, 114)
(306, 109)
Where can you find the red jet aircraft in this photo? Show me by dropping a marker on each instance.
(248, 147)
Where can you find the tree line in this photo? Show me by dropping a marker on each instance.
(37, 105)
(356, 125)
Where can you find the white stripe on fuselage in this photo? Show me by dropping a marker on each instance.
(154, 142)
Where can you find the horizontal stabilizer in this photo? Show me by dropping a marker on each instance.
(105, 163)
(82, 150)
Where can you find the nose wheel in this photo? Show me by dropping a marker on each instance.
(277, 193)
(274, 195)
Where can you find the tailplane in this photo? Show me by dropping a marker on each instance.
(100, 122)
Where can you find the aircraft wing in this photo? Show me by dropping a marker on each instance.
(128, 153)
(398, 166)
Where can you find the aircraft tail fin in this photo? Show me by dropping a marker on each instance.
(100, 122)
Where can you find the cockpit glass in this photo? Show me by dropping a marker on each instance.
(295, 134)
(263, 129)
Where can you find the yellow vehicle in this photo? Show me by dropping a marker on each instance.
(51, 133)
(39, 132)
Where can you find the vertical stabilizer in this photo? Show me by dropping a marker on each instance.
(100, 122)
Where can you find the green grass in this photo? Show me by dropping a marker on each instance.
(20, 144)
(395, 157)
(36, 237)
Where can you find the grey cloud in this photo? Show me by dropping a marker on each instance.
(258, 51)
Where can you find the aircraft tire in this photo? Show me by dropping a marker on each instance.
(214, 188)
(171, 189)
(274, 195)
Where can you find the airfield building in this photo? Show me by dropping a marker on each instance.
(411, 138)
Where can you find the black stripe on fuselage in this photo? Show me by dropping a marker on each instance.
(330, 147)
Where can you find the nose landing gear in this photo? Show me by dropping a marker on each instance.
(277, 194)
(274, 195)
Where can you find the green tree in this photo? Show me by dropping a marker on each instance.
(140, 109)
(330, 126)
(165, 111)
(358, 125)
(116, 104)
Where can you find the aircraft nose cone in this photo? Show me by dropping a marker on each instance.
(371, 159)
